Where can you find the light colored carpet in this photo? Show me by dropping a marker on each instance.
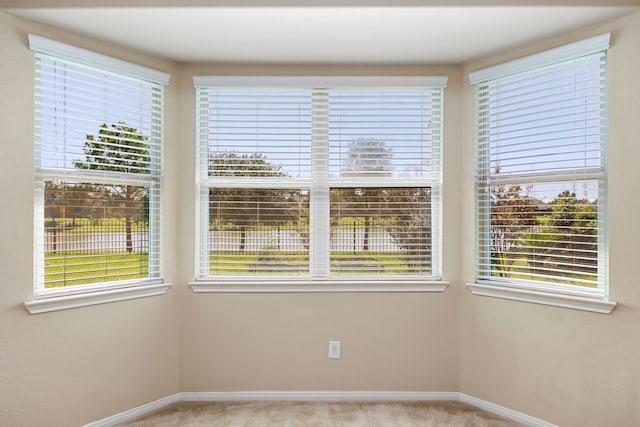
(321, 414)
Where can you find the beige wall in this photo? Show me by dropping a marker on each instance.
(569, 367)
(399, 342)
(70, 367)
(390, 341)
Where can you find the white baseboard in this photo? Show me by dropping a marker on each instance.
(136, 412)
(504, 412)
(318, 396)
(324, 396)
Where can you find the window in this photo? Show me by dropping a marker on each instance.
(322, 178)
(541, 170)
(98, 144)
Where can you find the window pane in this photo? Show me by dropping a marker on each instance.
(545, 121)
(98, 137)
(541, 174)
(391, 133)
(544, 232)
(258, 231)
(256, 144)
(257, 133)
(380, 231)
(95, 233)
(106, 121)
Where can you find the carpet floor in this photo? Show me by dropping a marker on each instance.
(321, 414)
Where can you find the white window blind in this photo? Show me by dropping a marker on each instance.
(98, 135)
(384, 164)
(255, 165)
(257, 133)
(301, 179)
(384, 133)
(381, 231)
(541, 170)
(258, 231)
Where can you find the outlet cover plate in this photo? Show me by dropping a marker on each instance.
(334, 349)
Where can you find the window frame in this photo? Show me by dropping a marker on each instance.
(555, 294)
(318, 184)
(51, 299)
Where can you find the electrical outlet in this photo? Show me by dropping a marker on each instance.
(334, 349)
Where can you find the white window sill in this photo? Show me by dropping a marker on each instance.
(318, 285)
(62, 302)
(578, 301)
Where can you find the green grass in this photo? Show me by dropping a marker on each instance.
(296, 263)
(518, 268)
(98, 225)
(289, 263)
(73, 270)
(343, 221)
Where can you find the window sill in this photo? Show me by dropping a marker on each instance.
(63, 302)
(317, 285)
(577, 302)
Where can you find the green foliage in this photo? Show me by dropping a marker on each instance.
(241, 208)
(66, 201)
(410, 225)
(231, 164)
(569, 229)
(403, 212)
(366, 157)
(118, 148)
(513, 212)
(543, 241)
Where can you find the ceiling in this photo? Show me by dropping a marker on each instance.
(307, 35)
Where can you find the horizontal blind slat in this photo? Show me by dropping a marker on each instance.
(533, 126)
(98, 150)
(306, 134)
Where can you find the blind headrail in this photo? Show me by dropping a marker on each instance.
(64, 51)
(316, 82)
(542, 59)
